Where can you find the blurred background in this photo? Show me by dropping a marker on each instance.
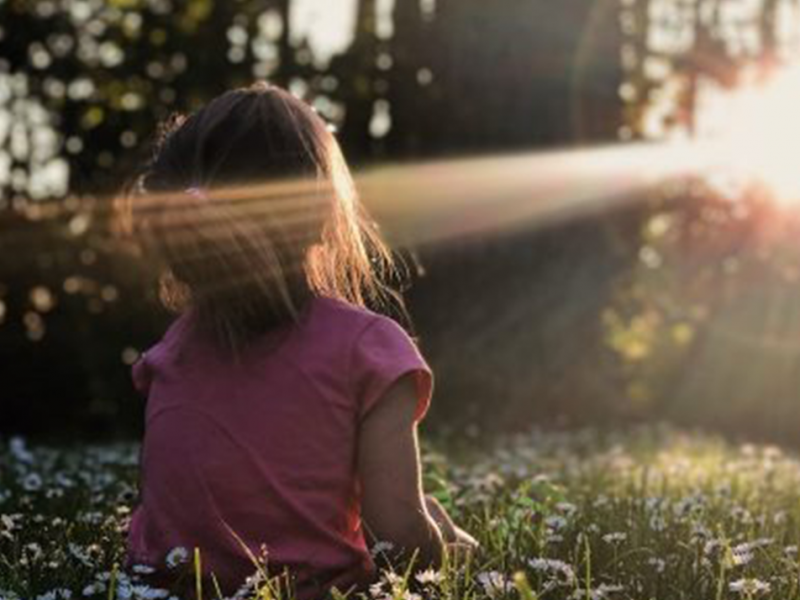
(676, 300)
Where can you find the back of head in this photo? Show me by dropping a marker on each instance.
(248, 208)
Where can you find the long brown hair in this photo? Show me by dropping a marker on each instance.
(249, 210)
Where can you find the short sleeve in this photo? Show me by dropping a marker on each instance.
(382, 354)
(141, 375)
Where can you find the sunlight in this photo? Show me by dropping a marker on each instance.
(448, 199)
(755, 132)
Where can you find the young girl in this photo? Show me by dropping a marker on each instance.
(281, 413)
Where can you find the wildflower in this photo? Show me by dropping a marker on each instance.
(685, 506)
(124, 590)
(700, 532)
(381, 548)
(95, 588)
(55, 594)
(557, 567)
(750, 586)
(658, 523)
(742, 515)
(605, 589)
(143, 569)
(742, 555)
(659, 564)
(80, 554)
(556, 522)
(393, 579)
(601, 592)
(19, 451)
(145, 592)
(613, 538)
(711, 546)
(32, 482)
(33, 551)
(251, 586)
(567, 507)
(389, 586)
(429, 577)
(652, 503)
(91, 518)
(177, 556)
(63, 480)
(748, 450)
(494, 583)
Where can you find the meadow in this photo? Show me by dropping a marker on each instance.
(652, 513)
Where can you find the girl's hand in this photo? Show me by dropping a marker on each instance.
(464, 549)
(465, 539)
(452, 534)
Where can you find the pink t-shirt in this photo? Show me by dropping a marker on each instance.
(267, 448)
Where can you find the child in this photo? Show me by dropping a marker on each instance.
(281, 413)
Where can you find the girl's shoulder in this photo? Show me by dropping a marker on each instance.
(337, 304)
(348, 317)
(367, 332)
(378, 352)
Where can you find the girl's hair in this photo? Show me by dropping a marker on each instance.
(248, 209)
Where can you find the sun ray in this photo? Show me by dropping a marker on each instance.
(436, 201)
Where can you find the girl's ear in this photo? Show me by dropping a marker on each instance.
(173, 293)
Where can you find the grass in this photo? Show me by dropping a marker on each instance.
(649, 514)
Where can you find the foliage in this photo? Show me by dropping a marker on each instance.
(85, 83)
(652, 311)
(653, 513)
(704, 323)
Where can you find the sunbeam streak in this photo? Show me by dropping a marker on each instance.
(437, 201)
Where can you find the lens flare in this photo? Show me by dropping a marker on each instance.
(755, 133)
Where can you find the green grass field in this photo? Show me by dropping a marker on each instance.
(650, 514)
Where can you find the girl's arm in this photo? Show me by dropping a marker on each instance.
(394, 508)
